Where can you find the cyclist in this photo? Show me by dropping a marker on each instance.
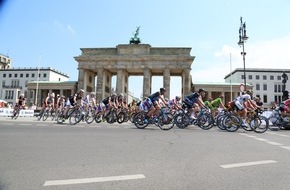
(90, 100)
(285, 108)
(215, 104)
(20, 104)
(242, 103)
(174, 104)
(153, 102)
(74, 100)
(109, 103)
(194, 102)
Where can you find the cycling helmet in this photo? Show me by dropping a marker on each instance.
(162, 89)
(82, 90)
(114, 94)
(93, 93)
(177, 97)
(201, 90)
(121, 94)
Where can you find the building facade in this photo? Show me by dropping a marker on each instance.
(14, 81)
(5, 62)
(266, 83)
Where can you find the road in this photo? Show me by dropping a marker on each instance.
(44, 155)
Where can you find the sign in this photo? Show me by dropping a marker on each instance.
(23, 113)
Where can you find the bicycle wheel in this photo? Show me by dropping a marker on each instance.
(16, 114)
(181, 120)
(140, 120)
(165, 121)
(259, 124)
(90, 116)
(99, 116)
(205, 121)
(220, 122)
(59, 117)
(121, 117)
(231, 122)
(111, 117)
(75, 117)
(274, 123)
(45, 115)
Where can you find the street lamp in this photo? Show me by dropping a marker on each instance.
(242, 39)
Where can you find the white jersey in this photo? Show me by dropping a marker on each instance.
(243, 98)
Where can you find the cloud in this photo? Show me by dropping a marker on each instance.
(272, 54)
(64, 28)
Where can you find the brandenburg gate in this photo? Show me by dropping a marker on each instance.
(132, 60)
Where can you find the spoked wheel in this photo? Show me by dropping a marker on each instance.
(140, 120)
(274, 123)
(111, 117)
(15, 116)
(121, 117)
(182, 120)
(219, 122)
(75, 117)
(90, 116)
(231, 123)
(59, 118)
(166, 121)
(99, 116)
(45, 115)
(205, 121)
(259, 124)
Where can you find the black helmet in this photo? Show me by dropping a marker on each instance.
(201, 90)
(162, 89)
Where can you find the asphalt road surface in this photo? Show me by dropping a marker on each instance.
(45, 155)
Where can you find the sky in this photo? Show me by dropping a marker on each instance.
(50, 33)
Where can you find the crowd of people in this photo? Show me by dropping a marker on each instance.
(154, 102)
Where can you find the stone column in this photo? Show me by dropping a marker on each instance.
(120, 81)
(81, 79)
(166, 82)
(186, 82)
(100, 84)
(147, 75)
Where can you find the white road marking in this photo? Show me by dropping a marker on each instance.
(285, 147)
(92, 180)
(248, 164)
(261, 139)
(274, 143)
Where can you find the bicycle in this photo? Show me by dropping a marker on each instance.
(164, 120)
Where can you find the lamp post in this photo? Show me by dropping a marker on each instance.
(242, 39)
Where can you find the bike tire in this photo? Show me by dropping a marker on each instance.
(121, 117)
(140, 120)
(274, 123)
(181, 120)
(45, 115)
(232, 123)
(259, 124)
(90, 116)
(166, 121)
(205, 121)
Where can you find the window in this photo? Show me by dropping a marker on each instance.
(44, 75)
(271, 77)
(15, 75)
(4, 75)
(265, 98)
(32, 75)
(10, 75)
(21, 75)
(250, 77)
(257, 77)
(265, 87)
(243, 76)
(264, 77)
(278, 77)
(27, 75)
(257, 86)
